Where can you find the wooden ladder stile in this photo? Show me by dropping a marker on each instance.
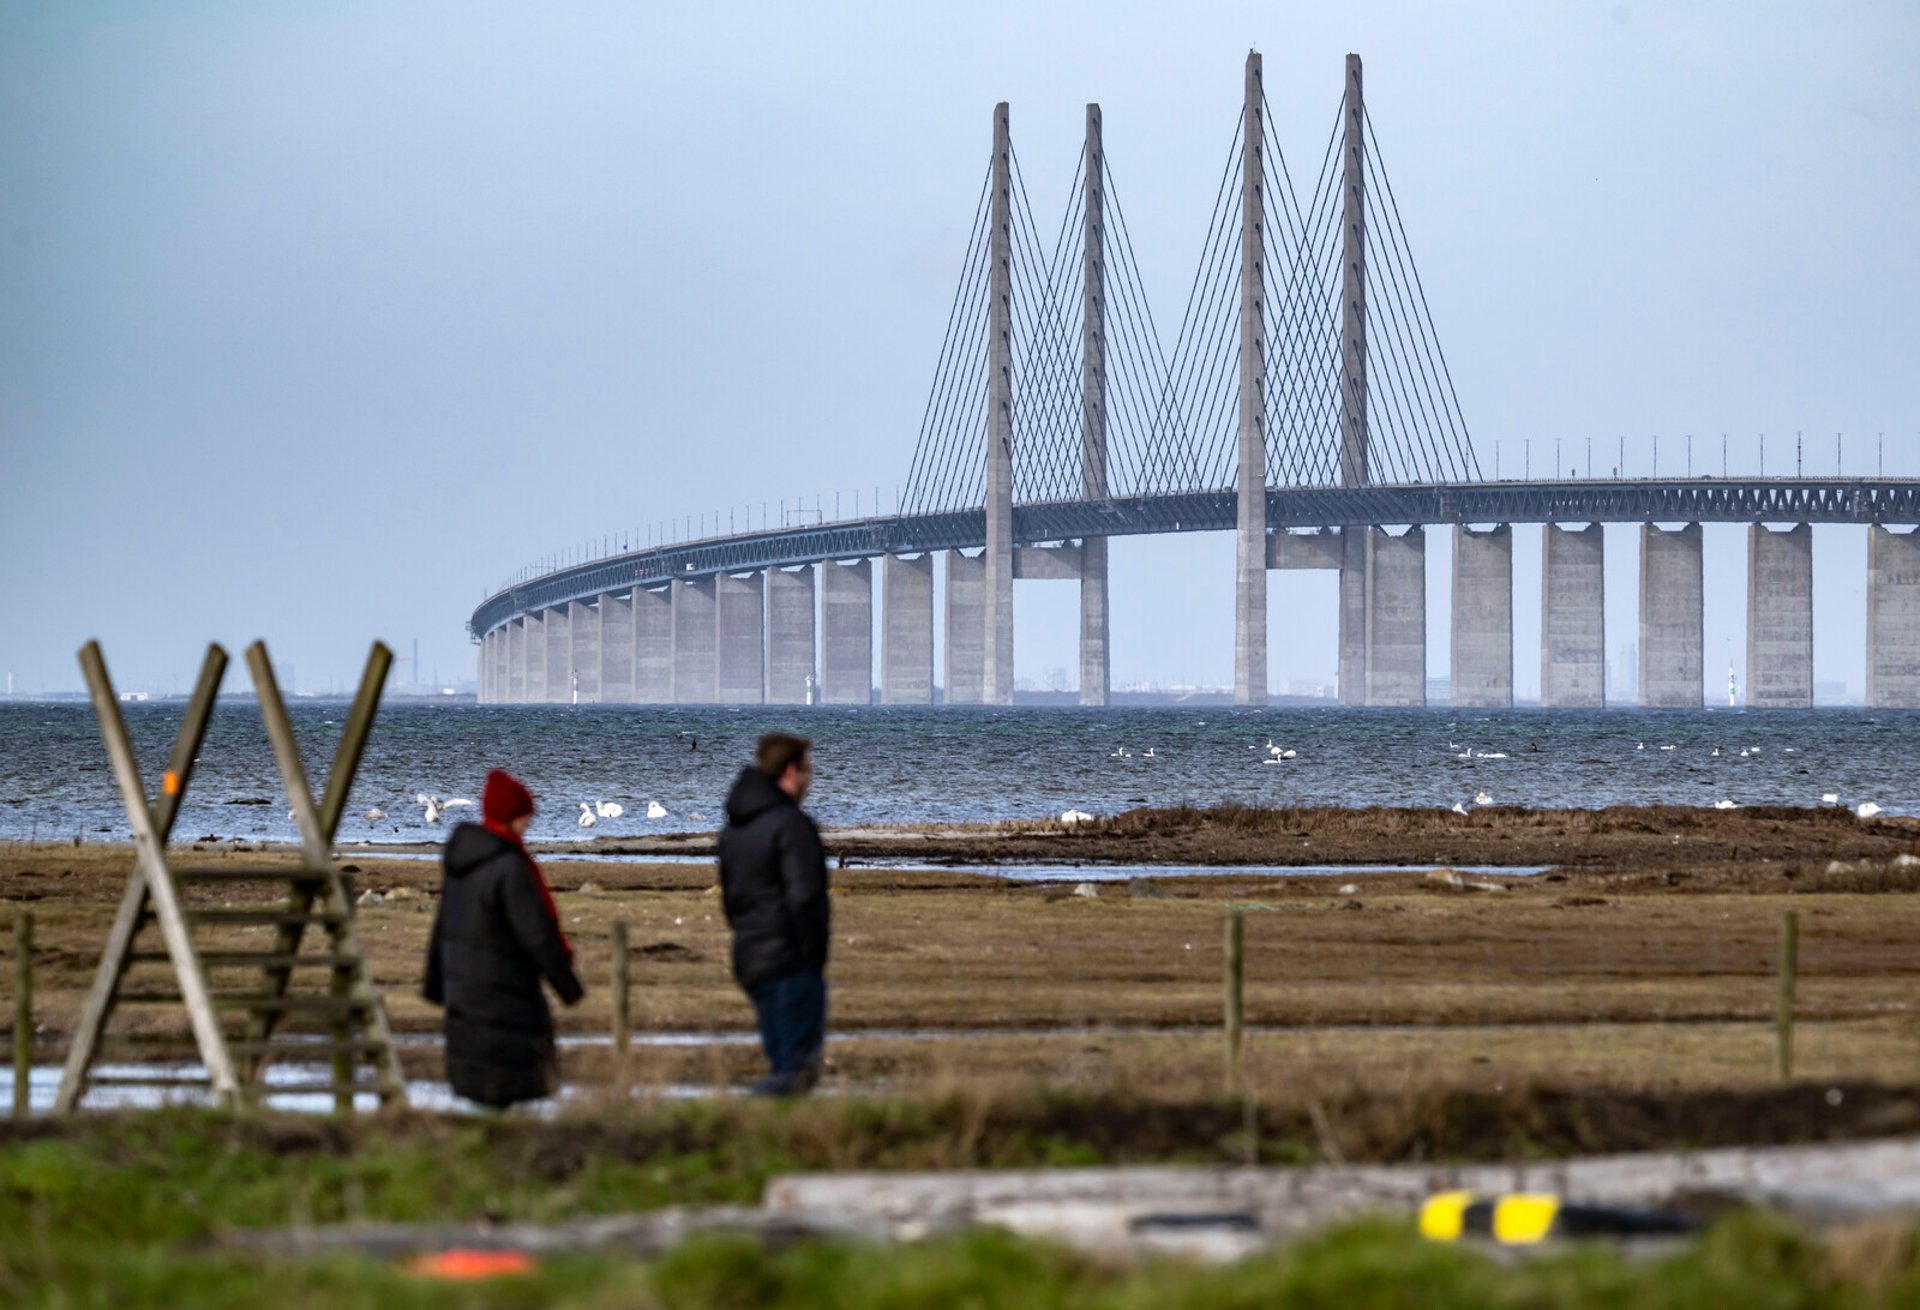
(316, 894)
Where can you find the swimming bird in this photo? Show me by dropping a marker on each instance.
(655, 810)
(1744, 753)
(1829, 798)
(1493, 755)
(1466, 754)
(586, 815)
(1458, 808)
(1076, 816)
(1666, 748)
(376, 814)
(1148, 754)
(1714, 751)
(1482, 798)
(1287, 754)
(433, 809)
(609, 809)
(1866, 809)
(1725, 805)
(458, 802)
(1641, 746)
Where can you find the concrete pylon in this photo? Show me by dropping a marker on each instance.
(533, 636)
(846, 633)
(906, 647)
(1397, 618)
(966, 607)
(1250, 477)
(1353, 383)
(1095, 666)
(483, 668)
(516, 630)
(790, 628)
(1672, 618)
(1480, 674)
(696, 636)
(1780, 617)
(740, 660)
(583, 654)
(616, 648)
(653, 646)
(998, 624)
(1573, 617)
(1893, 618)
(559, 631)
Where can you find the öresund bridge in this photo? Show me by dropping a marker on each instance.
(1304, 404)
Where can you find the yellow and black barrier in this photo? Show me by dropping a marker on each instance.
(1522, 1218)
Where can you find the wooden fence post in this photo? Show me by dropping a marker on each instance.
(1236, 937)
(1789, 974)
(22, 1013)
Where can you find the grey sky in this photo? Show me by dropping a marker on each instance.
(316, 321)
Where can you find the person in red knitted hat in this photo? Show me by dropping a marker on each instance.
(495, 936)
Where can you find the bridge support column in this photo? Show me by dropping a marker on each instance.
(653, 646)
(846, 638)
(1672, 618)
(789, 603)
(1397, 618)
(906, 653)
(534, 633)
(1481, 669)
(616, 648)
(997, 625)
(1250, 478)
(1094, 659)
(1573, 617)
(583, 623)
(696, 641)
(740, 656)
(483, 669)
(516, 630)
(1780, 617)
(559, 635)
(495, 657)
(966, 628)
(1352, 681)
(1893, 618)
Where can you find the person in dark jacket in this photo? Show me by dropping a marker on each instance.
(495, 936)
(773, 883)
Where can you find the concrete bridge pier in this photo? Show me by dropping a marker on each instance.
(1672, 618)
(1397, 618)
(846, 633)
(534, 633)
(906, 649)
(740, 656)
(616, 648)
(1480, 670)
(497, 665)
(789, 605)
(583, 623)
(966, 628)
(696, 641)
(1893, 618)
(516, 630)
(559, 639)
(1573, 617)
(653, 646)
(483, 669)
(1780, 617)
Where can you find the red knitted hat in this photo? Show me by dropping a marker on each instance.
(505, 799)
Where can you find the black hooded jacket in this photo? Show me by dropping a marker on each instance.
(493, 941)
(773, 882)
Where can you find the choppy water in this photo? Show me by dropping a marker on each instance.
(897, 765)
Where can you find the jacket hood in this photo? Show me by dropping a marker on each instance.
(471, 846)
(753, 794)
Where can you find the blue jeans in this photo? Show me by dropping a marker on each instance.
(792, 1013)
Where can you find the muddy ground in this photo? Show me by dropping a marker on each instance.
(1645, 958)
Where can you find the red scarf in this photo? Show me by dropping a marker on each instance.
(505, 799)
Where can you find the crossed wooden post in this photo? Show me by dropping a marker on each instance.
(154, 895)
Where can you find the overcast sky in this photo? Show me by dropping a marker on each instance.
(317, 320)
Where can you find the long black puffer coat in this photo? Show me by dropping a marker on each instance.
(773, 882)
(493, 941)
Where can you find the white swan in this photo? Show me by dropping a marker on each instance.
(1482, 798)
(1829, 798)
(433, 809)
(1458, 808)
(458, 802)
(1725, 805)
(609, 809)
(1148, 754)
(1493, 755)
(376, 814)
(586, 815)
(1866, 809)
(1076, 816)
(655, 810)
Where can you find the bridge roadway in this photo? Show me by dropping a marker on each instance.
(1889, 501)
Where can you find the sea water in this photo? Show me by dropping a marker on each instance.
(894, 765)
